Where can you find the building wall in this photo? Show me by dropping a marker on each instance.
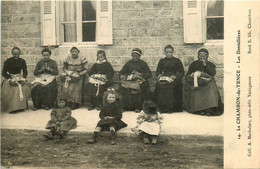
(149, 25)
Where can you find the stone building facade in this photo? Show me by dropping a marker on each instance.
(149, 25)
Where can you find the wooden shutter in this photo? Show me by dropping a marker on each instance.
(48, 28)
(104, 22)
(194, 21)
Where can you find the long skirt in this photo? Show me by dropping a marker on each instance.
(74, 90)
(66, 125)
(203, 98)
(151, 128)
(95, 94)
(133, 101)
(168, 97)
(11, 100)
(45, 95)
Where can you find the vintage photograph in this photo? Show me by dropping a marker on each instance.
(112, 84)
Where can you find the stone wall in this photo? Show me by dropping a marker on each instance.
(149, 25)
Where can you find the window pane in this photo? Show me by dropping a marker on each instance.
(215, 28)
(70, 33)
(88, 32)
(70, 11)
(215, 8)
(88, 10)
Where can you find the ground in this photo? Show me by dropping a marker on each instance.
(27, 148)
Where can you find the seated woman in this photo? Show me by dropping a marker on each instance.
(74, 71)
(14, 90)
(134, 82)
(168, 90)
(44, 90)
(100, 74)
(203, 95)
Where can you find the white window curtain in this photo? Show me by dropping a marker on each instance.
(70, 21)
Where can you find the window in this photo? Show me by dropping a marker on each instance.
(76, 21)
(203, 20)
(215, 19)
(79, 21)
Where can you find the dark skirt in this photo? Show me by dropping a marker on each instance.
(45, 95)
(95, 94)
(133, 101)
(168, 97)
(105, 124)
(204, 98)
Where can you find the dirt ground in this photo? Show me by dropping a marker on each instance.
(28, 148)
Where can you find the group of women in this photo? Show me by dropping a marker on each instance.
(203, 96)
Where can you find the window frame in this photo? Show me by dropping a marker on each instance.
(211, 41)
(79, 24)
(51, 24)
(195, 24)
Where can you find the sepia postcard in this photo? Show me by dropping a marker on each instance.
(176, 84)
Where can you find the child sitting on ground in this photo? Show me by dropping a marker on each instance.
(110, 116)
(149, 122)
(61, 121)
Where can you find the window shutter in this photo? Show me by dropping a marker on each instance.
(104, 22)
(48, 28)
(194, 21)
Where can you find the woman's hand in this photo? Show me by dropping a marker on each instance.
(42, 69)
(49, 69)
(122, 77)
(76, 75)
(173, 77)
(135, 72)
(12, 82)
(159, 76)
(69, 72)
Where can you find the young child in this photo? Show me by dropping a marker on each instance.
(149, 122)
(110, 116)
(61, 121)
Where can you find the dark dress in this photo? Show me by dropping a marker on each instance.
(112, 110)
(168, 96)
(129, 100)
(205, 98)
(14, 66)
(62, 115)
(11, 94)
(45, 95)
(104, 69)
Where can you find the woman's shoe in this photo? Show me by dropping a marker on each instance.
(90, 108)
(137, 110)
(35, 108)
(98, 108)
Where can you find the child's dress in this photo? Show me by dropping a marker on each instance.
(62, 115)
(149, 123)
(112, 110)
